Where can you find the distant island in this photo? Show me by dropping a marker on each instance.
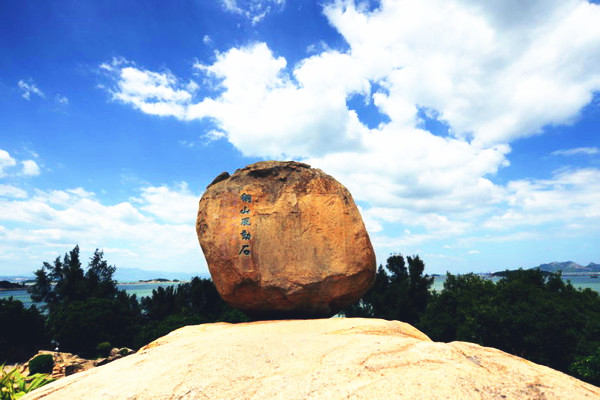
(123, 275)
(153, 281)
(566, 268)
(158, 280)
(7, 285)
(569, 267)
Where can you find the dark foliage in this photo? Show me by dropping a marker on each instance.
(400, 295)
(21, 331)
(85, 308)
(198, 297)
(11, 285)
(41, 364)
(189, 303)
(588, 367)
(79, 326)
(103, 349)
(527, 313)
(152, 330)
(65, 281)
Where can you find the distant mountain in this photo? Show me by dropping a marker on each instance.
(568, 267)
(136, 274)
(129, 275)
(15, 278)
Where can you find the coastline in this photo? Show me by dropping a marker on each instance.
(13, 289)
(152, 282)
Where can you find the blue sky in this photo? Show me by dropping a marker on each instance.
(467, 133)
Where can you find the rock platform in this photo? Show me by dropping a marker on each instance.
(337, 358)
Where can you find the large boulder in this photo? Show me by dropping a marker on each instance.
(337, 358)
(282, 239)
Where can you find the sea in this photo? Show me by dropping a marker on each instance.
(145, 289)
(579, 281)
(139, 289)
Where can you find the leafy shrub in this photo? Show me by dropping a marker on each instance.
(84, 307)
(527, 313)
(587, 368)
(80, 325)
(400, 292)
(22, 331)
(13, 385)
(41, 364)
(153, 330)
(104, 349)
(125, 351)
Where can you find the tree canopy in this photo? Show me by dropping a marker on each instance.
(527, 313)
(85, 307)
(65, 281)
(402, 294)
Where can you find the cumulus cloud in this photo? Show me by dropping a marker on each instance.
(177, 205)
(30, 168)
(493, 72)
(12, 191)
(490, 72)
(150, 229)
(28, 88)
(253, 10)
(61, 99)
(577, 151)
(6, 161)
(570, 196)
(155, 93)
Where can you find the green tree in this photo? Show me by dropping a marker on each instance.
(99, 277)
(190, 303)
(527, 313)
(22, 331)
(402, 294)
(85, 308)
(587, 367)
(79, 326)
(464, 310)
(61, 282)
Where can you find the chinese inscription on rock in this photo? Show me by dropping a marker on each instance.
(245, 221)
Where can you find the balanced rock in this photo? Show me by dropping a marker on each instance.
(336, 358)
(282, 239)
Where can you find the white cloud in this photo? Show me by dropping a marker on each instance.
(576, 151)
(489, 77)
(12, 191)
(152, 92)
(28, 88)
(175, 206)
(318, 47)
(61, 99)
(266, 114)
(30, 168)
(492, 72)
(570, 196)
(157, 228)
(6, 161)
(489, 72)
(432, 222)
(253, 10)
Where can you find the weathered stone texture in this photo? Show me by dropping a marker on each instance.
(337, 358)
(282, 239)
